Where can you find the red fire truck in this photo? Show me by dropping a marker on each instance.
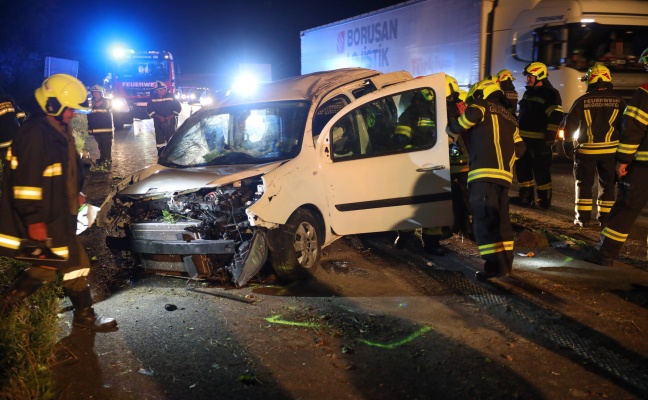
(131, 78)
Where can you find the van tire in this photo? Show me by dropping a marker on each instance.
(296, 247)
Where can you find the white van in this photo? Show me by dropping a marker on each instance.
(277, 174)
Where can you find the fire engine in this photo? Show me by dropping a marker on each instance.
(131, 78)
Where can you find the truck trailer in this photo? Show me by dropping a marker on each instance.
(471, 39)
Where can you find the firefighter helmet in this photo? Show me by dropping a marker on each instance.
(61, 91)
(427, 94)
(462, 95)
(505, 75)
(97, 88)
(537, 69)
(483, 89)
(451, 85)
(597, 73)
(159, 85)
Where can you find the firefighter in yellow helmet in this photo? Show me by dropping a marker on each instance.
(494, 143)
(40, 200)
(592, 129)
(632, 170)
(415, 129)
(505, 79)
(100, 125)
(540, 115)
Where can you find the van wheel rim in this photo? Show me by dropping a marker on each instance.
(306, 245)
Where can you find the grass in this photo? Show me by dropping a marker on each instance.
(28, 333)
(28, 336)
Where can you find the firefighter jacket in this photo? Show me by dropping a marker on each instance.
(633, 141)
(35, 187)
(165, 106)
(10, 118)
(540, 112)
(511, 94)
(598, 115)
(416, 125)
(493, 139)
(100, 119)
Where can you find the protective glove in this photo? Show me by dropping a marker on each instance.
(37, 231)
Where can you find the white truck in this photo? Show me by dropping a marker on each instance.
(470, 39)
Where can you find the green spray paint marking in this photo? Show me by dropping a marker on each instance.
(276, 319)
(394, 345)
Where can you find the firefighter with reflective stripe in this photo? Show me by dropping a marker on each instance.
(431, 237)
(596, 118)
(10, 118)
(632, 169)
(164, 108)
(495, 144)
(100, 124)
(540, 115)
(505, 79)
(416, 128)
(40, 199)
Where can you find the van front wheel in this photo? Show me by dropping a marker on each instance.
(296, 246)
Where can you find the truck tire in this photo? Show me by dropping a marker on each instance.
(296, 246)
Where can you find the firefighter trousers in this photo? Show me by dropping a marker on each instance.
(492, 226)
(104, 142)
(586, 167)
(534, 167)
(164, 129)
(631, 198)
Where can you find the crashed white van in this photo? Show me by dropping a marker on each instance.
(277, 174)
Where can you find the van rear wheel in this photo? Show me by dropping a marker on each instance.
(296, 246)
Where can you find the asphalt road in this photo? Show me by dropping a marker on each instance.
(376, 322)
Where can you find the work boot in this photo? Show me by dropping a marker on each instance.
(407, 238)
(432, 246)
(19, 290)
(544, 199)
(84, 315)
(595, 257)
(524, 197)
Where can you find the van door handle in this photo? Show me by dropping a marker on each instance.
(427, 168)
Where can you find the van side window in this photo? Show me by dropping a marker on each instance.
(326, 111)
(398, 123)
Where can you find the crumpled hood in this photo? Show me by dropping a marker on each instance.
(157, 179)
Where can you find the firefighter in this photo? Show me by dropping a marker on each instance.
(495, 144)
(596, 116)
(632, 170)
(416, 128)
(100, 124)
(540, 114)
(10, 118)
(40, 199)
(505, 80)
(164, 108)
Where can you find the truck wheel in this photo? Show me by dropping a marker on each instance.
(296, 246)
(119, 125)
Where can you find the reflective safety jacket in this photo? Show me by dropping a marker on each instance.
(10, 118)
(164, 106)
(416, 125)
(34, 188)
(540, 112)
(100, 119)
(494, 140)
(598, 114)
(633, 142)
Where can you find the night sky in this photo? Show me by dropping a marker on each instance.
(206, 37)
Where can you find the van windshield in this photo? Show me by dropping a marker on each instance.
(248, 134)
